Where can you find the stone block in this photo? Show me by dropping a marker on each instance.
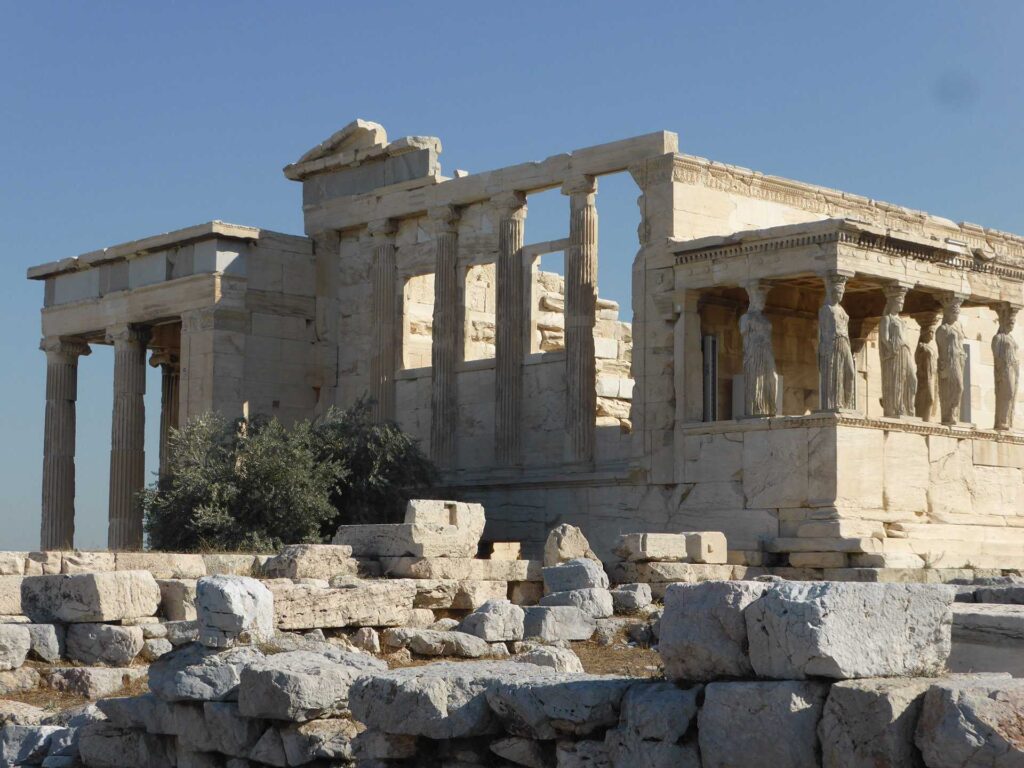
(10, 595)
(433, 642)
(47, 641)
(311, 561)
(972, 723)
(766, 723)
(407, 540)
(689, 547)
(230, 564)
(521, 751)
(703, 632)
(162, 565)
(362, 604)
(566, 542)
(92, 682)
(459, 595)
(103, 644)
(654, 720)
(233, 609)
(629, 598)
(89, 597)
(13, 563)
(320, 740)
(40, 563)
(103, 745)
(461, 569)
(818, 560)
(847, 629)
(557, 622)
(181, 632)
(87, 562)
(595, 603)
(26, 744)
(558, 659)
(15, 643)
(197, 673)
(550, 708)
(495, 621)
(17, 713)
(178, 599)
(154, 648)
(575, 574)
(663, 573)
(302, 685)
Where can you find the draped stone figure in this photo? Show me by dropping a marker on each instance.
(949, 338)
(760, 379)
(927, 359)
(1007, 368)
(899, 374)
(836, 371)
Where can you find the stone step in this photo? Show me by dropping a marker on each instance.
(824, 544)
(947, 532)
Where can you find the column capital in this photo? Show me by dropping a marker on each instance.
(164, 357)
(896, 290)
(64, 347)
(127, 334)
(511, 205)
(383, 230)
(950, 299)
(580, 185)
(444, 219)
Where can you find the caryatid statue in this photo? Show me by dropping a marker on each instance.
(949, 338)
(927, 359)
(1007, 368)
(836, 372)
(760, 380)
(899, 374)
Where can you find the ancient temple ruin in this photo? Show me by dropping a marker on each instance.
(828, 379)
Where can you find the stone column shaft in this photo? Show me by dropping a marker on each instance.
(382, 366)
(445, 344)
(509, 333)
(128, 434)
(170, 386)
(580, 318)
(58, 503)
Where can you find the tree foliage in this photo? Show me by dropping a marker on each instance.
(254, 485)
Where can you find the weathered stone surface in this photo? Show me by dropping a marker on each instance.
(154, 648)
(233, 609)
(653, 722)
(438, 701)
(528, 752)
(971, 723)
(103, 745)
(18, 680)
(628, 598)
(229, 564)
(367, 639)
(365, 603)
(770, 723)
(320, 739)
(103, 644)
(269, 749)
(407, 540)
(655, 573)
(302, 685)
(461, 569)
(47, 641)
(311, 561)
(870, 723)
(585, 753)
(703, 633)
(13, 563)
(549, 708)
(566, 542)
(558, 659)
(15, 642)
(18, 713)
(92, 682)
(595, 603)
(10, 595)
(89, 597)
(162, 565)
(181, 632)
(843, 630)
(197, 673)
(86, 562)
(988, 637)
(178, 599)
(580, 573)
(557, 622)
(688, 547)
(230, 732)
(26, 744)
(495, 620)
(464, 595)
(432, 642)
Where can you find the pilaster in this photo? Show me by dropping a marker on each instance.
(445, 344)
(510, 320)
(382, 364)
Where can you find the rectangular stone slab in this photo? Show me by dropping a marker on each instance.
(461, 568)
(408, 540)
(368, 604)
(90, 597)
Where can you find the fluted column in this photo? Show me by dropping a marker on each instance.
(128, 433)
(58, 503)
(510, 320)
(580, 317)
(445, 344)
(170, 369)
(382, 365)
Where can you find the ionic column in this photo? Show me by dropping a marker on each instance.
(580, 317)
(1006, 366)
(128, 434)
(760, 379)
(58, 503)
(170, 368)
(445, 344)
(382, 365)
(510, 322)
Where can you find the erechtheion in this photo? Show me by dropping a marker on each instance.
(818, 375)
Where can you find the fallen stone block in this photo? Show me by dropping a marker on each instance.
(162, 565)
(703, 632)
(575, 574)
(459, 595)
(198, 673)
(15, 643)
(366, 639)
(496, 620)
(461, 569)
(432, 642)
(311, 561)
(13, 563)
(988, 637)
(595, 603)
(46, 562)
(103, 644)
(103, 745)
(407, 540)
(558, 659)
(92, 682)
(869, 723)
(846, 630)
(332, 739)
(557, 622)
(18, 681)
(566, 542)
(1006, 594)
(89, 597)
(585, 753)
(154, 648)
(553, 707)
(181, 632)
(10, 595)
(86, 562)
(687, 547)
(47, 641)
(654, 573)
(971, 723)
(525, 592)
(364, 604)
(178, 599)
(766, 723)
(654, 719)
(377, 745)
(18, 713)
(230, 564)
(26, 744)
(233, 609)
(528, 752)
(629, 598)
(439, 701)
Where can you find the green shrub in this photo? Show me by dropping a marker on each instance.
(254, 485)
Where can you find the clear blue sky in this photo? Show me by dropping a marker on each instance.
(119, 120)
